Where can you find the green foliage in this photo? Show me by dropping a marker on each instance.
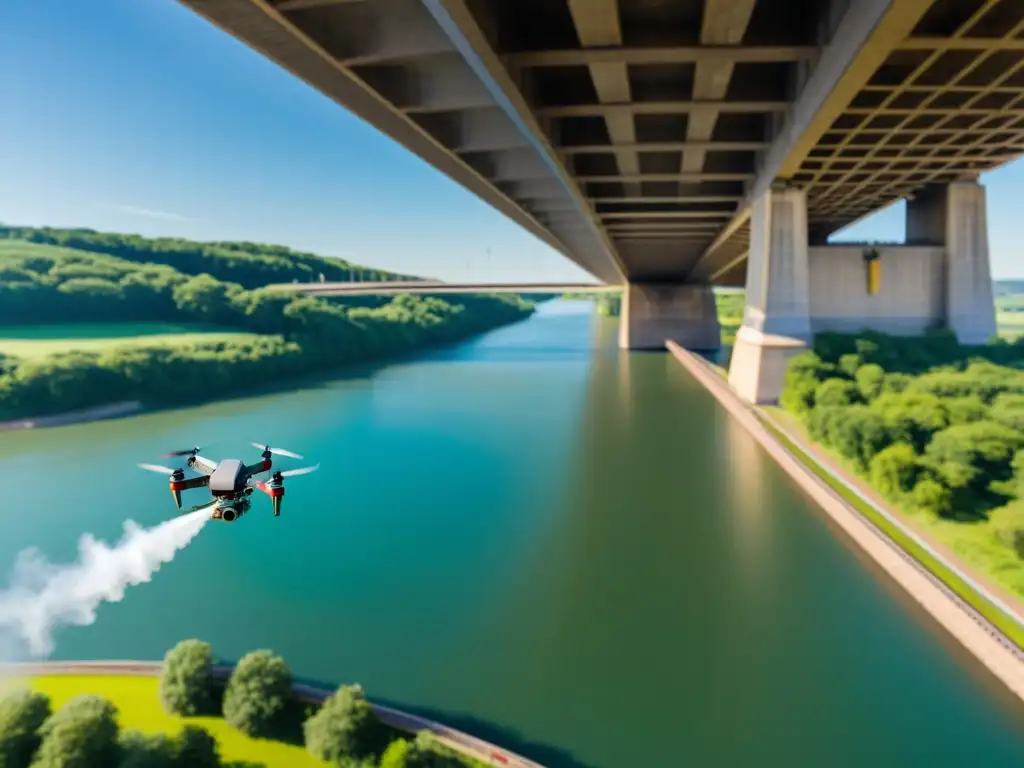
(82, 733)
(345, 727)
(894, 471)
(196, 748)
(303, 334)
(911, 417)
(943, 421)
(870, 378)
(836, 392)
(22, 713)
(426, 752)
(147, 750)
(394, 755)
(257, 693)
(973, 460)
(186, 683)
(249, 264)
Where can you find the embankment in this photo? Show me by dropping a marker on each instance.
(309, 692)
(979, 636)
(109, 411)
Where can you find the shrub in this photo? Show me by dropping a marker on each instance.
(929, 495)
(345, 727)
(426, 752)
(798, 397)
(966, 410)
(196, 748)
(186, 683)
(81, 733)
(21, 715)
(1008, 410)
(870, 379)
(148, 750)
(894, 471)
(394, 756)
(849, 363)
(836, 392)
(257, 694)
(912, 417)
(896, 382)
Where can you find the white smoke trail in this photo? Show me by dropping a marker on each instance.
(44, 596)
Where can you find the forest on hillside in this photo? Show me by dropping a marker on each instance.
(297, 334)
(250, 265)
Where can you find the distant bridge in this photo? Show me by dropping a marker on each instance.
(436, 287)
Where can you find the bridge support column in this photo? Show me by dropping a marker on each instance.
(776, 318)
(652, 314)
(955, 215)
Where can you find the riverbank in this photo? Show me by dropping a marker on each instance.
(310, 692)
(984, 640)
(100, 412)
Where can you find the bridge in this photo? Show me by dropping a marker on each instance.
(675, 145)
(437, 288)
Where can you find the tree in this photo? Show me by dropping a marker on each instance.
(932, 496)
(912, 417)
(196, 748)
(975, 462)
(82, 733)
(836, 392)
(870, 378)
(426, 752)
(345, 727)
(147, 750)
(394, 756)
(894, 471)
(186, 683)
(22, 713)
(258, 693)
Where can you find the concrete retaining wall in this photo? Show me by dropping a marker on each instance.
(910, 297)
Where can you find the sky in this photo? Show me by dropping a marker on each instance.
(140, 116)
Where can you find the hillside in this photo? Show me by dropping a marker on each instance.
(250, 265)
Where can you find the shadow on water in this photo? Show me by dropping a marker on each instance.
(500, 736)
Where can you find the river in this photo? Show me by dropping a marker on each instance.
(537, 538)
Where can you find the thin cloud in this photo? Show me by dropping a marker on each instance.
(148, 212)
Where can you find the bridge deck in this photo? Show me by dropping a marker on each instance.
(632, 135)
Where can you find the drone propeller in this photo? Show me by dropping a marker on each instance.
(280, 451)
(157, 468)
(302, 471)
(188, 452)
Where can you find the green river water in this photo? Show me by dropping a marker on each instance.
(549, 543)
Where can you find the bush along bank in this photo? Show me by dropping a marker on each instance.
(298, 334)
(936, 427)
(256, 700)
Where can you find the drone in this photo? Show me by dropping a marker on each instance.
(230, 481)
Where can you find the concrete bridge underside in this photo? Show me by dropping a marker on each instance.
(678, 144)
(633, 136)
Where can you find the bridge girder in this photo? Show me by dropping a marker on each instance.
(633, 136)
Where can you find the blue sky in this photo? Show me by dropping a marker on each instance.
(139, 116)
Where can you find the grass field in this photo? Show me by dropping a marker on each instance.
(30, 341)
(139, 707)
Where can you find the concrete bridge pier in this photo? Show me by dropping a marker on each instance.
(653, 313)
(955, 216)
(776, 319)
